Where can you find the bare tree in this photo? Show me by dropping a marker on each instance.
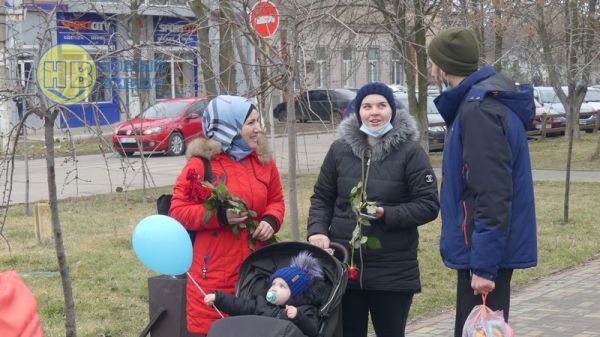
(575, 41)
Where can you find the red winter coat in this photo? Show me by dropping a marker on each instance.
(218, 253)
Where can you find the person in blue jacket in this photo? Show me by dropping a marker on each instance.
(487, 202)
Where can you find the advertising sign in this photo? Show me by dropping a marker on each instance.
(84, 29)
(175, 31)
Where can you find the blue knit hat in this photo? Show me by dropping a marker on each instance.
(375, 88)
(300, 273)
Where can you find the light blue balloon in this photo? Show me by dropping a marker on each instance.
(163, 245)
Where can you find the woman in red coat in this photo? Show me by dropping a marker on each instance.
(240, 158)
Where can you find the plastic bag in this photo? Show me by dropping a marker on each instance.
(483, 322)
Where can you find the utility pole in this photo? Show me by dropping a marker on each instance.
(6, 105)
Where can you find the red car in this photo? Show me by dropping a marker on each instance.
(166, 126)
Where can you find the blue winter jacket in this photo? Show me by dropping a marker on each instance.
(487, 203)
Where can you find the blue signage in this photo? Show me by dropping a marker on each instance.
(175, 31)
(84, 29)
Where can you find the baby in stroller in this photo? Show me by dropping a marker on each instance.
(296, 293)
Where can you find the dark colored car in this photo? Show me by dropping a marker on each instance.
(437, 133)
(166, 126)
(317, 105)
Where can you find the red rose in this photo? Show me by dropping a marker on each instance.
(204, 193)
(192, 174)
(353, 273)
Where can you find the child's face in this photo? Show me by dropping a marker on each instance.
(281, 290)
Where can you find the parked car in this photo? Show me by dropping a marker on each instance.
(437, 134)
(592, 98)
(551, 120)
(547, 97)
(317, 104)
(166, 126)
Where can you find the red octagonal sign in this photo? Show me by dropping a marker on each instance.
(264, 18)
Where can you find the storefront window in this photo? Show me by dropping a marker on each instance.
(102, 91)
(176, 77)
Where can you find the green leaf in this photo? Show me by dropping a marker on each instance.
(356, 244)
(364, 222)
(363, 240)
(371, 209)
(251, 244)
(206, 217)
(252, 214)
(373, 243)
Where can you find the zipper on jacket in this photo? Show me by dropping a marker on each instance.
(463, 226)
(205, 268)
(361, 272)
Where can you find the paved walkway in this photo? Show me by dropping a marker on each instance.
(566, 304)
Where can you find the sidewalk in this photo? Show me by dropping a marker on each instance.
(566, 304)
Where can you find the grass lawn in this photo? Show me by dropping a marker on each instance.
(551, 153)
(110, 284)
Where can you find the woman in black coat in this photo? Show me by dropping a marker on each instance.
(379, 149)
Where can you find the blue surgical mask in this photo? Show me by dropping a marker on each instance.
(377, 133)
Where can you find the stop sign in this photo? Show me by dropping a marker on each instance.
(264, 18)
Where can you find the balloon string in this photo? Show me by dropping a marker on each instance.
(203, 293)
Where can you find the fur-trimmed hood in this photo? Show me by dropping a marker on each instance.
(405, 129)
(208, 148)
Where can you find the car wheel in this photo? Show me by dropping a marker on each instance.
(176, 145)
(282, 116)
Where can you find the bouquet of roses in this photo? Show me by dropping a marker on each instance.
(215, 196)
(358, 201)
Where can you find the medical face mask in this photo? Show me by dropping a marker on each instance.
(376, 133)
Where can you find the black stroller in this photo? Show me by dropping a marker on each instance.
(254, 276)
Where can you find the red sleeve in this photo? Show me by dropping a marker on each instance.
(275, 202)
(18, 308)
(184, 209)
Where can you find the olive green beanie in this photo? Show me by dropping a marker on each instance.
(455, 51)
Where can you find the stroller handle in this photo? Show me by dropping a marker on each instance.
(338, 247)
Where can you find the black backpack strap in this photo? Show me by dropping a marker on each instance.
(208, 173)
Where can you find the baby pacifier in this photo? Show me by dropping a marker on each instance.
(271, 296)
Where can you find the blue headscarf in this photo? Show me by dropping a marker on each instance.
(222, 121)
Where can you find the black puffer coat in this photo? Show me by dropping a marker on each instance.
(307, 318)
(400, 178)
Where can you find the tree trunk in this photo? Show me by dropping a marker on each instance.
(227, 72)
(204, 48)
(421, 62)
(71, 329)
(498, 37)
(596, 155)
(291, 127)
(568, 179)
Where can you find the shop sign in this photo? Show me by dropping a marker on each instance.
(84, 29)
(174, 31)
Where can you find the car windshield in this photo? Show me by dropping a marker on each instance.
(344, 94)
(592, 95)
(548, 96)
(164, 110)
